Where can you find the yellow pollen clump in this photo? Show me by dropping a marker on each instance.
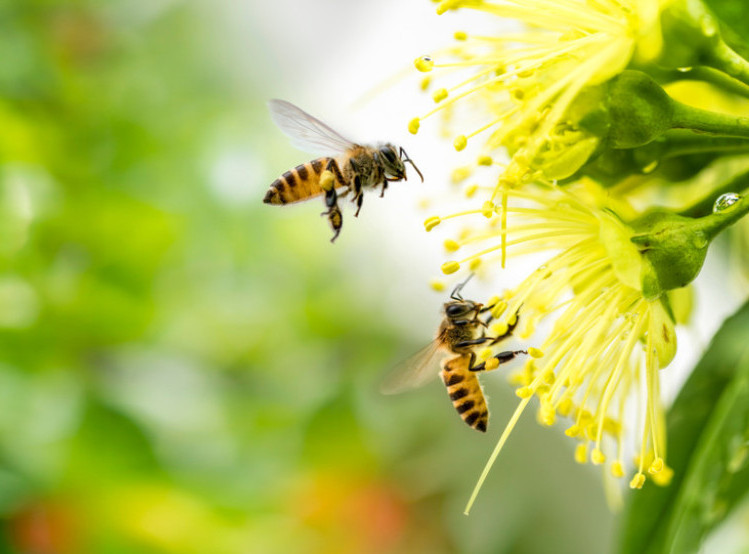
(450, 267)
(535, 352)
(326, 180)
(460, 174)
(424, 64)
(493, 301)
(439, 95)
(597, 457)
(547, 416)
(451, 245)
(581, 453)
(437, 285)
(499, 329)
(413, 125)
(487, 210)
(491, 363)
(460, 35)
(637, 481)
(565, 407)
(460, 142)
(663, 478)
(431, 222)
(656, 466)
(524, 392)
(572, 431)
(617, 470)
(471, 190)
(475, 263)
(485, 160)
(497, 311)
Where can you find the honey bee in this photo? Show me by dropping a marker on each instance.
(353, 167)
(459, 334)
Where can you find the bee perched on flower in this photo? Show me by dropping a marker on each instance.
(588, 138)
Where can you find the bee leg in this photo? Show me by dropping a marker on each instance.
(335, 218)
(384, 186)
(359, 201)
(502, 358)
(473, 342)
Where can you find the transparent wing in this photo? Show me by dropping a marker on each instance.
(306, 132)
(415, 371)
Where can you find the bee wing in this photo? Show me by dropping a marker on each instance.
(414, 371)
(306, 132)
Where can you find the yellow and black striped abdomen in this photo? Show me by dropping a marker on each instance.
(301, 183)
(465, 392)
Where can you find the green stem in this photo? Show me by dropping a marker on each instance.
(682, 142)
(696, 119)
(701, 73)
(705, 206)
(716, 222)
(723, 58)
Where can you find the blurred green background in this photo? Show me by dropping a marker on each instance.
(186, 370)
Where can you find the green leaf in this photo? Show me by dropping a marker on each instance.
(708, 449)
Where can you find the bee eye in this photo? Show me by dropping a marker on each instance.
(388, 153)
(455, 310)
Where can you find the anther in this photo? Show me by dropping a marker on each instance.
(431, 222)
(460, 142)
(450, 267)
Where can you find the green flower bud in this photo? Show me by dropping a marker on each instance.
(639, 110)
(674, 248)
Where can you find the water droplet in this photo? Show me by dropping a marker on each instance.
(684, 69)
(650, 167)
(725, 201)
(699, 240)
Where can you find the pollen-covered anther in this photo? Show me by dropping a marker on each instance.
(499, 329)
(424, 63)
(597, 456)
(485, 354)
(450, 245)
(565, 407)
(437, 285)
(439, 95)
(547, 415)
(460, 142)
(471, 190)
(637, 481)
(413, 125)
(460, 174)
(535, 352)
(617, 470)
(663, 477)
(524, 392)
(487, 210)
(326, 180)
(549, 377)
(493, 301)
(450, 267)
(425, 82)
(656, 466)
(572, 430)
(581, 453)
(460, 35)
(485, 160)
(474, 264)
(431, 222)
(497, 311)
(491, 363)
(513, 319)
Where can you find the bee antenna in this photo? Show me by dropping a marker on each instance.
(409, 160)
(455, 294)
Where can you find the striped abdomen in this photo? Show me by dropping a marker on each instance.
(465, 392)
(301, 183)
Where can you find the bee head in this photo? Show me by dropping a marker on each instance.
(461, 309)
(394, 162)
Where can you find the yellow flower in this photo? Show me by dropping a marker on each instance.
(607, 342)
(532, 88)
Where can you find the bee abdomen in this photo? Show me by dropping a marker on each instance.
(465, 392)
(300, 183)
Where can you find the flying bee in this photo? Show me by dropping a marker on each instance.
(350, 166)
(459, 334)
